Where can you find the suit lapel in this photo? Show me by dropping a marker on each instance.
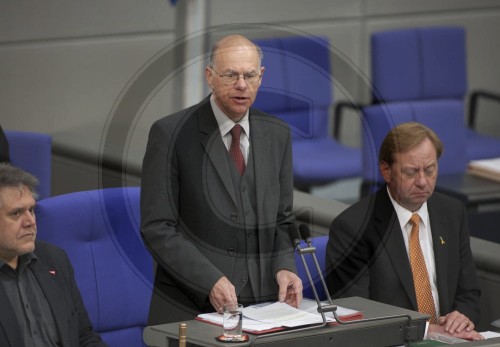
(387, 224)
(48, 278)
(9, 322)
(260, 147)
(211, 141)
(439, 234)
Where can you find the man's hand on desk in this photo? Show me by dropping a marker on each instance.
(222, 293)
(457, 325)
(290, 288)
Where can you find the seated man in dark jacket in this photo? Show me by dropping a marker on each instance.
(407, 245)
(40, 304)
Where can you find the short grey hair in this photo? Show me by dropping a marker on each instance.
(14, 177)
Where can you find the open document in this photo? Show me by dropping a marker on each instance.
(263, 318)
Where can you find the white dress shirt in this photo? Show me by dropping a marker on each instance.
(226, 124)
(425, 236)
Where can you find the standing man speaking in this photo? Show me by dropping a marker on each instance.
(217, 194)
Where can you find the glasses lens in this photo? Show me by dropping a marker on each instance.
(229, 79)
(252, 79)
(232, 79)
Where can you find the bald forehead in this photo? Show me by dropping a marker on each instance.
(234, 44)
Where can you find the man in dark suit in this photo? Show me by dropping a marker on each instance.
(216, 204)
(371, 252)
(39, 299)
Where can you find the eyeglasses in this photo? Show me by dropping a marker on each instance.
(231, 78)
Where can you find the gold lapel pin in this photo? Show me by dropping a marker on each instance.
(442, 241)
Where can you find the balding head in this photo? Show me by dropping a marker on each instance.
(232, 43)
(234, 75)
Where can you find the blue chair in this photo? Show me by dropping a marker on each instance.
(99, 230)
(440, 116)
(32, 152)
(428, 64)
(320, 244)
(297, 87)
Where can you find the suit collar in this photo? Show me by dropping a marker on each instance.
(389, 229)
(49, 284)
(439, 232)
(260, 146)
(211, 141)
(48, 278)
(8, 323)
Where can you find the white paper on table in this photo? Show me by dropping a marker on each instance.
(248, 324)
(490, 334)
(282, 314)
(311, 306)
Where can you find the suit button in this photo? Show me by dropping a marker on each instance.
(250, 234)
(244, 189)
(234, 216)
(247, 211)
(243, 279)
(230, 251)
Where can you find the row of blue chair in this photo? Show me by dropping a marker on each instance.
(99, 230)
(418, 74)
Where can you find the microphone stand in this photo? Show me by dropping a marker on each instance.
(308, 250)
(410, 333)
(331, 307)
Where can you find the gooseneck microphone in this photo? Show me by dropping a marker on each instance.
(306, 236)
(305, 233)
(295, 236)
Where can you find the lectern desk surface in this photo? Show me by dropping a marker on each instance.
(386, 332)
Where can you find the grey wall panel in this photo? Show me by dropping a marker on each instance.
(68, 88)
(65, 65)
(386, 8)
(27, 20)
(281, 11)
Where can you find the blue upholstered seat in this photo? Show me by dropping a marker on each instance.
(427, 64)
(99, 230)
(32, 152)
(439, 115)
(297, 87)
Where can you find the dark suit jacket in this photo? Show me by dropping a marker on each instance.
(366, 255)
(63, 297)
(188, 208)
(4, 147)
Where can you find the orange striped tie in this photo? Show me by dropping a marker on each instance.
(421, 281)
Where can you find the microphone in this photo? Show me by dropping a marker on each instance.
(305, 233)
(294, 235)
(306, 236)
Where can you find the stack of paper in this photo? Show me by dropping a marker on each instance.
(263, 318)
(486, 168)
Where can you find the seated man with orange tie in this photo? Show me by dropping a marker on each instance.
(407, 245)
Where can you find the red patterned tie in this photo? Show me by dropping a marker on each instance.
(235, 150)
(421, 280)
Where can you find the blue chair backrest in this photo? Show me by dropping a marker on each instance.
(320, 244)
(419, 63)
(297, 84)
(439, 115)
(99, 230)
(32, 152)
